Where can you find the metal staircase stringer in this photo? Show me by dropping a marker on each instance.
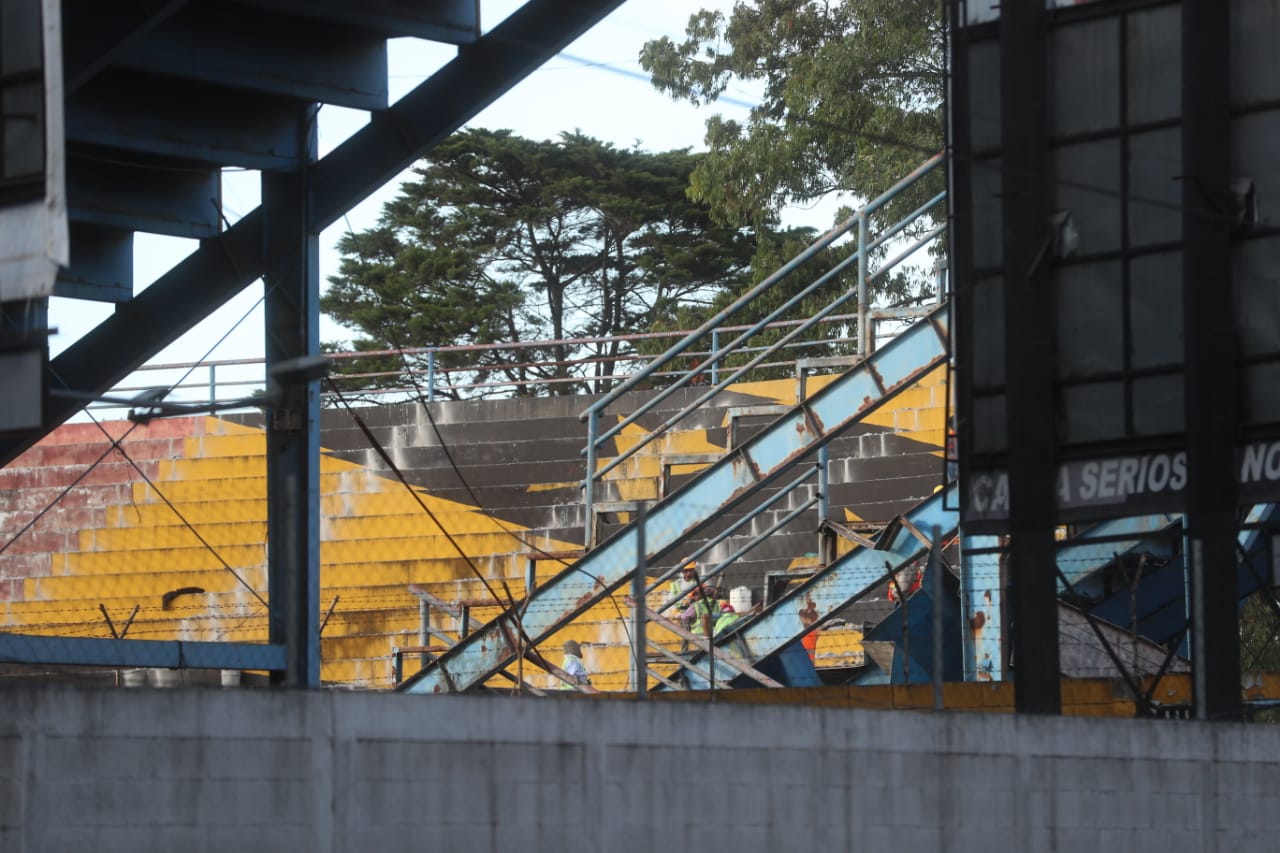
(833, 588)
(762, 459)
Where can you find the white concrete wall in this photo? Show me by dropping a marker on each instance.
(230, 770)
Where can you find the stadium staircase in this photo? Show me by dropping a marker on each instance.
(768, 456)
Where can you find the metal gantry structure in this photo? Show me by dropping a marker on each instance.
(159, 98)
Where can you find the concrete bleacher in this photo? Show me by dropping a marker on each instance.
(192, 516)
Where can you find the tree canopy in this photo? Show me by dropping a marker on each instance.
(852, 97)
(505, 239)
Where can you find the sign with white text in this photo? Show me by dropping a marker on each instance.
(1131, 484)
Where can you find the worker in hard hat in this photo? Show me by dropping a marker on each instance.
(728, 615)
(678, 591)
(699, 616)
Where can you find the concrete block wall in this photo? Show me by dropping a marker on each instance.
(206, 770)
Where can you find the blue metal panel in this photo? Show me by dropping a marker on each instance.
(450, 21)
(791, 666)
(684, 513)
(896, 364)
(137, 112)
(178, 198)
(916, 637)
(982, 591)
(787, 438)
(101, 266)
(86, 651)
(888, 369)
(256, 51)
(982, 609)
(1160, 605)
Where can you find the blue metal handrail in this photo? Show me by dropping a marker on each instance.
(859, 221)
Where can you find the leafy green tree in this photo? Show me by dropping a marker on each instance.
(850, 101)
(501, 239)
(852, 97)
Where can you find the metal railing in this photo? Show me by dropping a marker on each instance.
(867, 245)
(225, 379)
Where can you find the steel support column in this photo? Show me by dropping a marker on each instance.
(1209, 333)
(1029, 341)
(292, 253)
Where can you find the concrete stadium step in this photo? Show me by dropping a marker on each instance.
(559, 434)
(199, 512)
(88, 433)
(158, 560)
(141, 582)
(172, 535)
(75, 476)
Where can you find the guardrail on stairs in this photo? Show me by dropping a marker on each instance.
(929, 215)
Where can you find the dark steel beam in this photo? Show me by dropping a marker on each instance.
(101, 266)
(159, 196)
(451, 21)
(960, 208)
(1209, 333)
(259, 51)
(225, 265)
(138, 329)
(1029, 344)
(94, 32)
(292, 306)
(137, 112)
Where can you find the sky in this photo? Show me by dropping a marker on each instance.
(595, 86)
